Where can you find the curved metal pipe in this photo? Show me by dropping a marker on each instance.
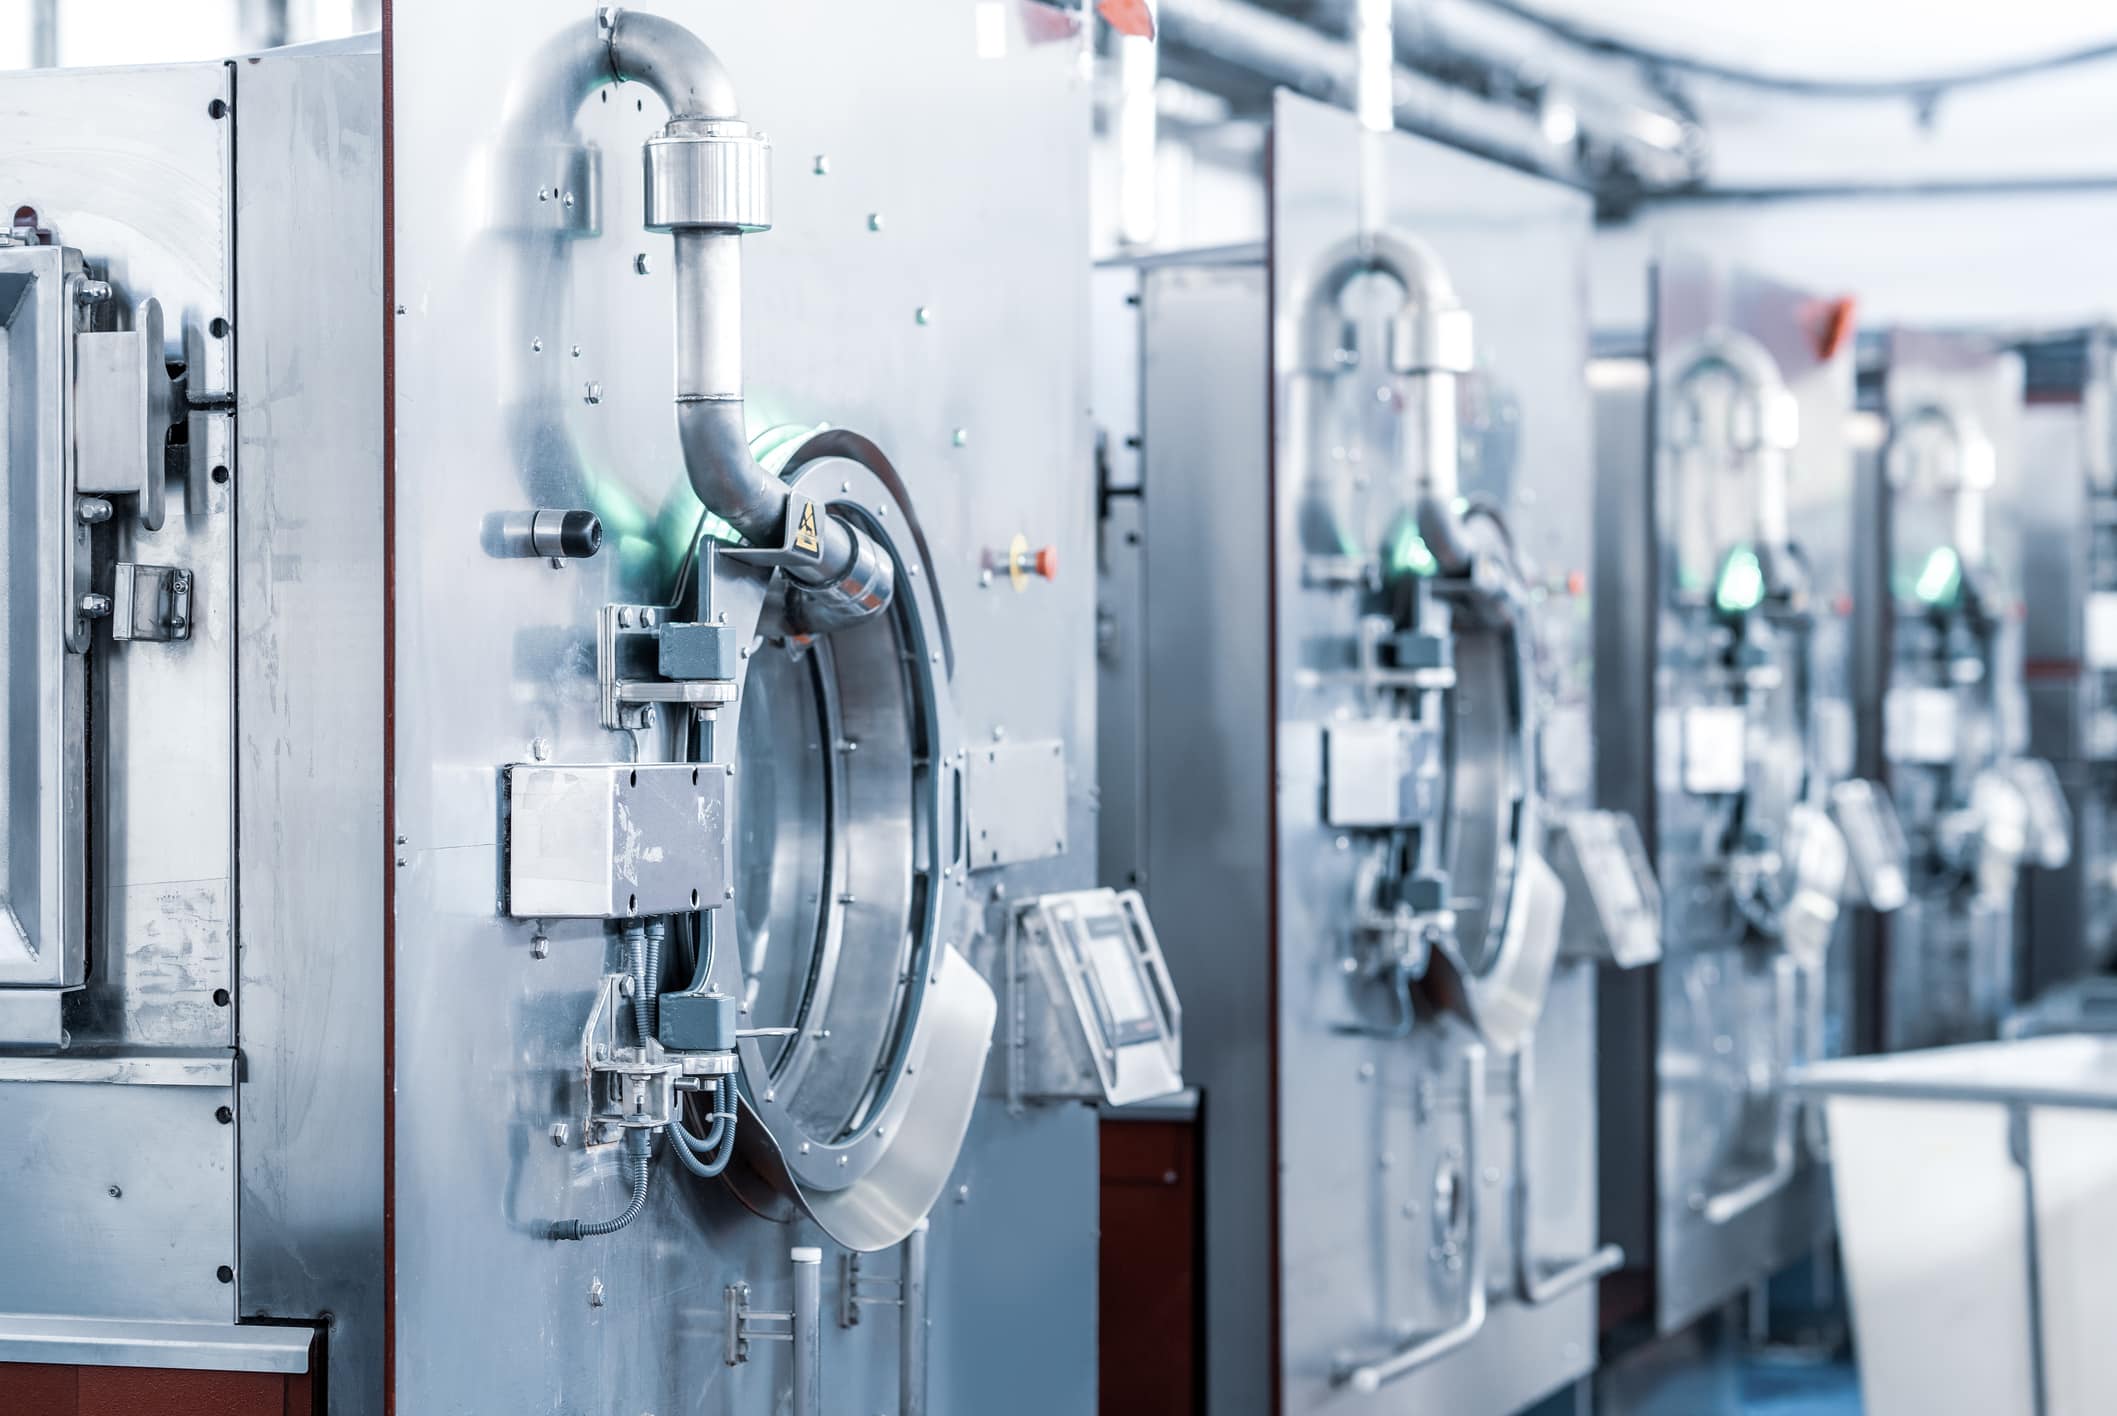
(708, 185)
(1773, 412)
(685, 74)
(1975, 471)
(1430, 343)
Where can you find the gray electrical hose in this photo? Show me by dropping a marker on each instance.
(639, 1159)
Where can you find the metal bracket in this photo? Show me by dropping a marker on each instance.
(800, 539)
(802, 1328)
(908, 1292)
(626, 636)
(633, 1088)
(150, 603)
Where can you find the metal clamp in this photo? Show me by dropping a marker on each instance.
(1725, 1206)
(150, 603)
(1370, 1377)
(634, 1088)
(801, 1326)
(629, 702)
(906, 1292)
(1537, 1282)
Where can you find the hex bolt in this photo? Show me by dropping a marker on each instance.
(559, 1132)
(593, 393)
(960, 436)
(536, 346)
(874, 221)
(640, 265)
(95, 606)
(924, 314)
(595, 1293)
(116, 1193)
(93, 292)
(823, 165)
(540, 946)
(92, 511)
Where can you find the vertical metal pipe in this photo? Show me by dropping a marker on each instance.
(911, 1357)
(1138, 158)
(44, 34)
(808, 1332)
(708, 314)
(2023, 1156)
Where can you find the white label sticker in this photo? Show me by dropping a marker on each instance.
(992, 29)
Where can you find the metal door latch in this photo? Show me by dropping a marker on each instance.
(150, 603)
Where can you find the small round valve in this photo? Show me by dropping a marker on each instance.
(1022, 562)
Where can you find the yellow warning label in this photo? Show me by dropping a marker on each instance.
(805, 533)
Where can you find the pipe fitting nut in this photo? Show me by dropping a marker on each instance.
(708, 174)
(1427, 340)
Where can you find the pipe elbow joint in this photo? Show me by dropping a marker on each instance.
(668, 58)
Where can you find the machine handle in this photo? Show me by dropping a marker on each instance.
(1537, 1281)
(1725, 1206)
(1370, 1377)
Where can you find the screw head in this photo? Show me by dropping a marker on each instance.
(823, 165)
(874, 221)
(640, 264)
(595, 1293)
(116, 1193)
(960, 436)
(559, 1132)
(924, 314)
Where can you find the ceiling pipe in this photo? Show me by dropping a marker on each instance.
(1655, 149)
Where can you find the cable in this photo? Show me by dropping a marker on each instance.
(639, 1159)
(1925, 87)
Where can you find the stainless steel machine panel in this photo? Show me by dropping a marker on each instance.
(1366, 1192)
(1707, 1180)
(1947, 670)
(131, 169)
(531, 318)
(2067, 504)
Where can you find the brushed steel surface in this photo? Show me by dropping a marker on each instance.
(1696, 1179)
(132, 168)
(1950, 961)
(1331, 1154)
(105, 1342)
(307, 484)
(493, 414)
(1360, 1157)
(137, 1182)
(134, 1190)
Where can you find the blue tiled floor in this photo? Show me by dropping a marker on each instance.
(1787, 1389)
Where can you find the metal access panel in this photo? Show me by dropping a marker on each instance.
(1339, 1188)
(531, 321)
(127, 1151)
(1701, 1203)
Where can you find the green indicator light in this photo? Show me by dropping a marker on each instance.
(1741, 585)
(1408, 554)
(1941, 577)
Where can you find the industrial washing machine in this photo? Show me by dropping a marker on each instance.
(1724, 722)
(1942, 672)
(548, 872)
(1345, 745)
(2067, 510)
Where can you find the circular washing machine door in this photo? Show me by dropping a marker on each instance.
(866, 1027)
(1509, 904)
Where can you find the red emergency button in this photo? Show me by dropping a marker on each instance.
(1023, 562)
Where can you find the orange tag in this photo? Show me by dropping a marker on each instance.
(1128, 17)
